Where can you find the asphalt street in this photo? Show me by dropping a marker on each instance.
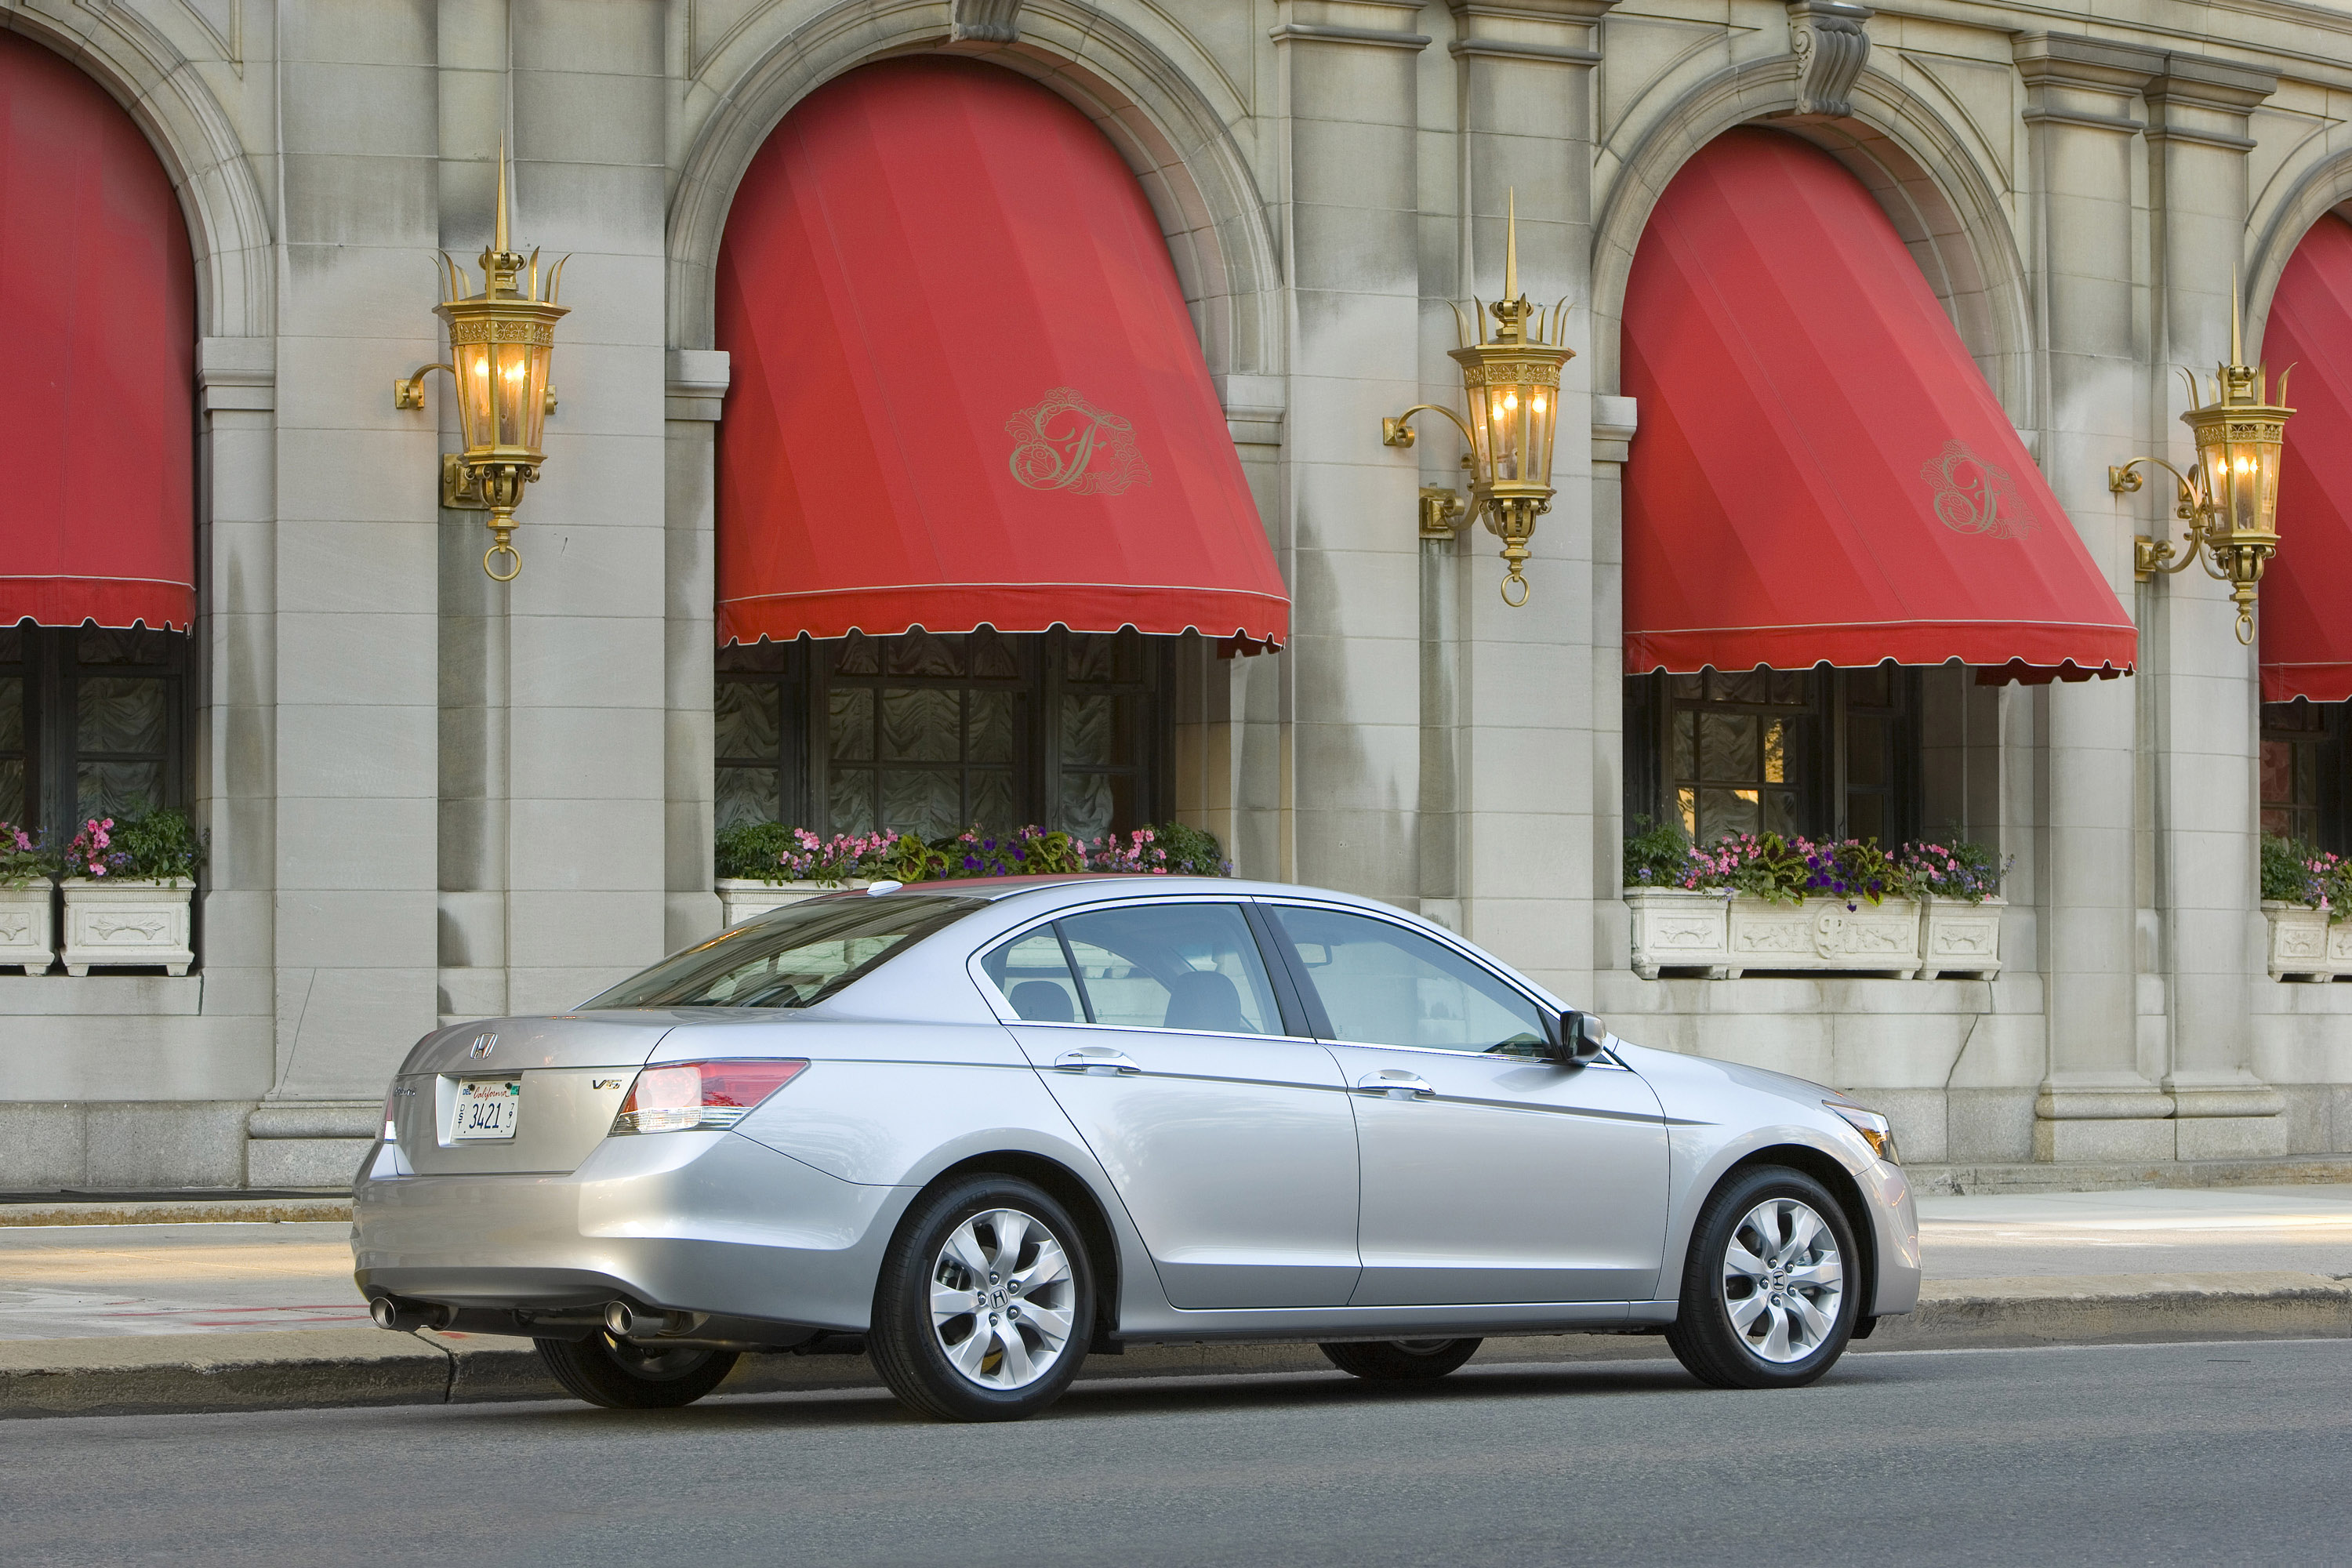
(2200, 1453)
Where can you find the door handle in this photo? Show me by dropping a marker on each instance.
(1394, 1084)
(1096, 1060)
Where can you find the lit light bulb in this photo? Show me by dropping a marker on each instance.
(1539, 403)
(514, 372)
(1510, 400)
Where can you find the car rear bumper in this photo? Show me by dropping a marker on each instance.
(693, 1222)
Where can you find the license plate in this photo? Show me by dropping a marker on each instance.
(487, 1108)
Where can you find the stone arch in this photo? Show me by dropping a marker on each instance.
(1922, 175)
(2325, 188)
(1156, 113)
(228, 226)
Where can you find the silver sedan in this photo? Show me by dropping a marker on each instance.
(991, 1127)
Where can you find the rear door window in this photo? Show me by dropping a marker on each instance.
(1173, 967)
(1033, 973)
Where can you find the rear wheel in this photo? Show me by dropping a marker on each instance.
(985, 1307)
(1771, 1287)
(1400, 1361)
(618, 1375)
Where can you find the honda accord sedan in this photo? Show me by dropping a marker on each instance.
(993, 1127)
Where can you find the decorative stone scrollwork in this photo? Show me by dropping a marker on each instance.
(985, 21)
(1832, 48)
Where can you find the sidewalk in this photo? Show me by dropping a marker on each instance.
(227, 1315)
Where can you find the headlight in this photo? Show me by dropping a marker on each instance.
(1876, 1130)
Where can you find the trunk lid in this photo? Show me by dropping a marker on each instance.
(566, 1076)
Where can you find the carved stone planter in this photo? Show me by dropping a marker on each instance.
(130, 924)
(739, 897)
(1957, 937)
(27, 927)
(1678, 929)
(2304, 945)
(1823, 934)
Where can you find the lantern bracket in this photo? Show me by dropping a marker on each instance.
(2151, 555)
(408, 392)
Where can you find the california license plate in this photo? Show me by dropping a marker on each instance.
(487, 1108)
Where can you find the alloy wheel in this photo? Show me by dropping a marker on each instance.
(1002, 1299)
(1782, 1280)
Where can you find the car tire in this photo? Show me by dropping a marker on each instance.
(1005, 1251)
(1399, 1361)
(1771, 1285)
(623, 1376)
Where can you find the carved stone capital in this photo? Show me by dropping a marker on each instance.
(1832, 47)
(984, 21)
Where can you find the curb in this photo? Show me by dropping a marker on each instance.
(229, 1210)
(1976, 1181)
(310, 1368)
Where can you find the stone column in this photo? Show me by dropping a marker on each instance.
(1615, 421)
(695, 393)
(586, 619)
(2095, 1103)
(1347, 203)
(2206, 688)
(353, 827)
(1524, 712)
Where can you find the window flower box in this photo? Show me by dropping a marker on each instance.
(1675, 928)
(740, 897)
(1959, 938)
(1824, 933)
(27, 927)
(132, 922)
(2303, 944)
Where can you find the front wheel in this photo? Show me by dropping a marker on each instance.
(1399, 1361)
(619, 1375)
(985, 1307)
(1771, 1287)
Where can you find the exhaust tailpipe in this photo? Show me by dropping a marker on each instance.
(405, 1317)
(624, 1320)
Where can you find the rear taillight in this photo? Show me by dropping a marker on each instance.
(391, 1098)
(676, 1096)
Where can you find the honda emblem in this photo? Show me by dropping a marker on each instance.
(482, 1046)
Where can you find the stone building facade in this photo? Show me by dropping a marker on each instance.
(432, 797)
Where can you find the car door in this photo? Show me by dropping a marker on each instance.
(1232, 1143)
(1488, 1171)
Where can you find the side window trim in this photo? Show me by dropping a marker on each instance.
(976, 968)
(1302, 1009)
(1077, 975)
(1544, 1011)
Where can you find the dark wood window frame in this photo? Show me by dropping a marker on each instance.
(2303, 750)
(800, 681)
(50, 666)
(1850, 740)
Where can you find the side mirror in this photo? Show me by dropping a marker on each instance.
(1582, 1036)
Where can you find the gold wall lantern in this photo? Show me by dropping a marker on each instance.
(1510, 383)
(2228, 498)
(501, 344)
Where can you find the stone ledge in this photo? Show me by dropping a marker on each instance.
(322, 1367)
(227, 1209)
(1956, 1180)
(102, 995)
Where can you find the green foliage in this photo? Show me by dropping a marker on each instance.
(2302, 874)
(1191, 852)
(1658, 854)
(21, 860)
(1955, 869)
(163, 845)
(755, 851)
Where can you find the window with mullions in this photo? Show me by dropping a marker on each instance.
(92, 723)
(1820, 753)
(931, 734)
(2303, 772)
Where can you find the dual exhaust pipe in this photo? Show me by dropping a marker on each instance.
(621, 1320)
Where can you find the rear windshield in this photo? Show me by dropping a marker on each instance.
(794, 958)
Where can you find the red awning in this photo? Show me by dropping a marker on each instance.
(98, 332)
(2306, 636)
(967, 390)
(1821, 472)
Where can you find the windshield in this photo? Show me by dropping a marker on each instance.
(794, 958)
